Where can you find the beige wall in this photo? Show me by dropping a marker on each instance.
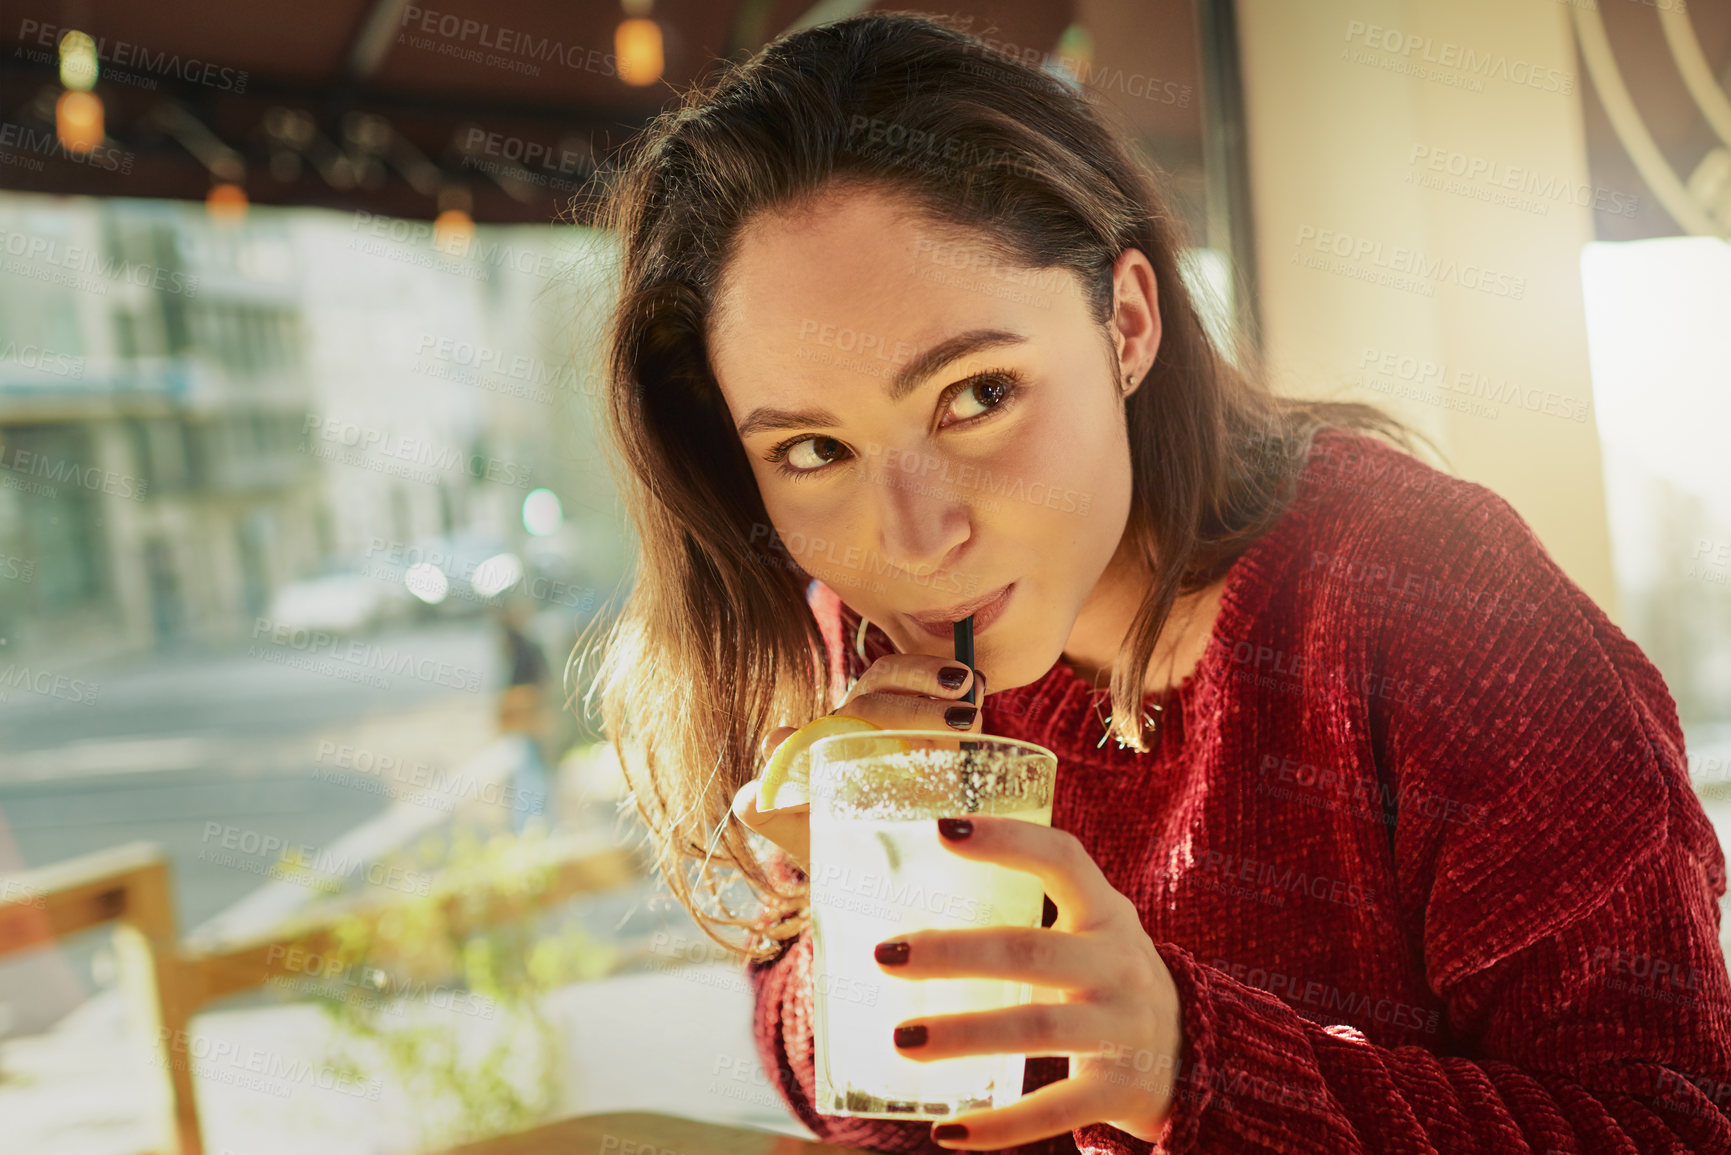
(1332, 137)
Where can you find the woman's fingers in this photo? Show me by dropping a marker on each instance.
(789, 827)
(1050, 1110)
(917, 674)
(897, 692)
(912, 712)
(1031, 1029)
(1020, 954)
(773, 739)
(1072, 880)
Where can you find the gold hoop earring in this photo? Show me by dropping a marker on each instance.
(859, 638)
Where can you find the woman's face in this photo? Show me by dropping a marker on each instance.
(929, 426)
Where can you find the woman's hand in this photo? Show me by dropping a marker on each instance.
(897, 692)
(1111, 1004)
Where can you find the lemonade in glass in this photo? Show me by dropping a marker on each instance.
(878, 871)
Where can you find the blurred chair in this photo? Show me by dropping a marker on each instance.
(165, 982)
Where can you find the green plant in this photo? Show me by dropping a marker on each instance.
(446, 988)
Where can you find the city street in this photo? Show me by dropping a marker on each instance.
(173, 744)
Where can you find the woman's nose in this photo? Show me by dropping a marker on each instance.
(924, 522)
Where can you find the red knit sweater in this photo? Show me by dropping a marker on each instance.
(1416, 841)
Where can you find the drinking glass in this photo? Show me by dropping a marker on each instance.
(878, 871)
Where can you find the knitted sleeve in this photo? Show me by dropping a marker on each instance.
(1553, 862)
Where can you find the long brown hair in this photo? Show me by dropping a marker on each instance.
(715, 644)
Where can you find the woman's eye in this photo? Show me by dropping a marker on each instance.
(800, 456)
(990, 391)
(994, 389)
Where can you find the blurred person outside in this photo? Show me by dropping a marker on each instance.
(523, 715)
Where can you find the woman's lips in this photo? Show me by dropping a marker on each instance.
(983, 617)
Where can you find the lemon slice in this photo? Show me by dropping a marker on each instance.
(786, 780)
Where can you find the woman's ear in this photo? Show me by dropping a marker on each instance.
(1135, 318)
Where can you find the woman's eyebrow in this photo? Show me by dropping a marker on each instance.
(906, 379)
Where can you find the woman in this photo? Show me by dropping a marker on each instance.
(1394, 850)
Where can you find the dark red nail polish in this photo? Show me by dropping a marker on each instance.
(948, 1131)
(891, 954)
(914, 1036)
(955, 829)
(952, 677)
(960, 717)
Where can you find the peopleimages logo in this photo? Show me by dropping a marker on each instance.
(1425, 373)
(494, 370)
(853, 565)
(43, 360)
(435, 787)
(1452, 61)
(502, 42)
(49, 252)
(363, 655)
(1710, 563)
(251, 850)
(1391, 585)
(531, 154)
(48, 684)
(313, 970)
(17, 569)
(476, 255)
(16, 893)
(1331, 999)
(46, 142)
(930, 467)
(1398, 266)
(1516, 186)
(396, 559)
(1272, 877)
(124, 54)
(59, 470)
(1326, 787)
(410, 451)
(256, 1067)
(892, 899)
(923, 149)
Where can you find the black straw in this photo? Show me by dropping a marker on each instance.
(964, 639)
(964, 643)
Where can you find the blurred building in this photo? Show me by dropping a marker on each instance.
(152, 390)
(196, 414)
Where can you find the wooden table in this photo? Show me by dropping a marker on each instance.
(644, 1133)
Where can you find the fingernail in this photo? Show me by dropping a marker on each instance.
(960, 717)
(948, 1131)
(891, 954)
(955, 829)
(914, 1036)
(952, 677)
